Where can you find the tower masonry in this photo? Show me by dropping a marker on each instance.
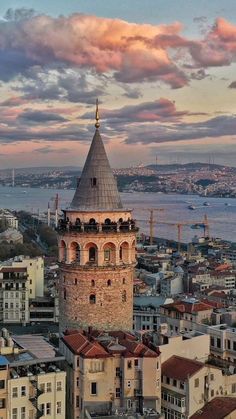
(96, 239)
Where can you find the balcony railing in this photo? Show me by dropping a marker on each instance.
(125, 226)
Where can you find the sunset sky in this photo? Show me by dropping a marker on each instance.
(164, 72)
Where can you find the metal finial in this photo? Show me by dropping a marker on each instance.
(97, 123)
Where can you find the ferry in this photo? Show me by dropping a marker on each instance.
(206, 204)
(191, 207)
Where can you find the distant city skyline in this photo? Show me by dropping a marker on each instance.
(163, 71)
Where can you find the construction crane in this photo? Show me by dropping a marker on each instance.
(151, 221)
(204, 224)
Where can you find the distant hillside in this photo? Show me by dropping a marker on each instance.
(42, 170)
(186, 166)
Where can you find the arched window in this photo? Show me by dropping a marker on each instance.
(107, 221)
(123, 297)
(109, 283)
(92, 299)
(62, 251)
(120, 220)
(92, 221)
(92, 283)
(124, 252)
(109, 250)
(92, 254)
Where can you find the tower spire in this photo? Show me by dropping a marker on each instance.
(97, 123)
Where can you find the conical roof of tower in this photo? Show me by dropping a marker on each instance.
(97, 188)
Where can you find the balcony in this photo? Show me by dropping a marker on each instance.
(112, 227)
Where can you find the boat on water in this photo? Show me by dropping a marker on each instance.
(206, 204)
(191, 207)
(227, 204)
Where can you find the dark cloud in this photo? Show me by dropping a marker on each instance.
(48, 149)
(212, 128)
(132, 93)
(41, 117)
(232, 85)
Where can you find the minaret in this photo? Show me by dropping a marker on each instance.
(97, 238)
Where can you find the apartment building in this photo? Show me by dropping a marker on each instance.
(32, 380)
(223, 342)
(14, 295)
(110, 372)
(182, 315)
(188, 385)
(35, 272)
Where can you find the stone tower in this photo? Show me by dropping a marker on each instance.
(97, 238)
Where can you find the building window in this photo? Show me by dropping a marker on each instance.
(14, 392)
(64, 294)
(92, 283)
(76, 281)
(93, 389)
(77, 381)
(59, 408)
(77, 401)
(218, 343)
(234, 346)
(129, 364)
(196, 382)
(109, 283)
(93, 182)
(181, 385)
(59, 386)
(234, 388)
(92, 299)
(23, 391)
(42, 387)
(123, 297)
(128, 384)
(23, 413)
(167, 380)
(118, 392)
(92, 254)
(2, 384)
(118, 372)
(174, 383)
(49, 387)
(212, 341)
(48, 408)
(212, 393)
(123, 281)
(2, 403)
(14, 413)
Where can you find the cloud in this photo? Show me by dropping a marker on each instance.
(211, 128)
(101, 44)
(158, 110)
(41, 117)
(48, 149)
(232, 85)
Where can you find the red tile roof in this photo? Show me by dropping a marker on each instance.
(218, 408)
(180, 368)
(185, 307)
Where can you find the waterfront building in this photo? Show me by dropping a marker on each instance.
(97, 238)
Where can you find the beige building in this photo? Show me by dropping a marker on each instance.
(188, 385)
(14, 295)
(223, 342)
(110, 372)
(35, 272)
(32, 380)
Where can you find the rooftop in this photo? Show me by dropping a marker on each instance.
(187, 306)
(218, 408)
(180, 368)
(97, 188)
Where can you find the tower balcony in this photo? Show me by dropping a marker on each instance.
(93, 228)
